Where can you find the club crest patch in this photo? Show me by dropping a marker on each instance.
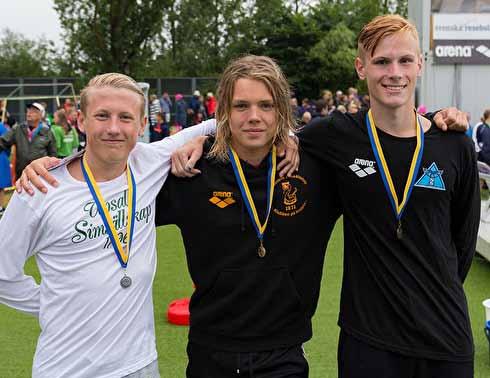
(431, 178)
(291, 196)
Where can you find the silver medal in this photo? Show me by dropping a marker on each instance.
(125, 282)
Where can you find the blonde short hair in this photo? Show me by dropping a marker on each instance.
(380, 27)
(265, 70)
(111, 80)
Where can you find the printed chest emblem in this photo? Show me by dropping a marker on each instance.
(290, 193)
(431, 178)
(222, 199)
(363, 167)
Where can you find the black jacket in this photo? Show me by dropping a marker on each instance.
(243, 302)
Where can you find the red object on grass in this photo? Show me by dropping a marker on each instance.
(178, 311)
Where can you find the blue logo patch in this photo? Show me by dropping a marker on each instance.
(432, 178)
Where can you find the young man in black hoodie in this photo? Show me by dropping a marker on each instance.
(411, 204)
(255, 243)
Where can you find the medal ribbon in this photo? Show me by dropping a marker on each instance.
(247, 196)
(398, 208)
(122, 255)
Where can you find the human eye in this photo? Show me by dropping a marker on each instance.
(406, 60)
(240, 106)
(126, 117)
(267, 106)
(101, 116)
(381, 62)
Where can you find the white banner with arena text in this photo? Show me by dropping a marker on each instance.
(462, 38)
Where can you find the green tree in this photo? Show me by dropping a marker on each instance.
(335, 54)
(110, 35)
(25, 57)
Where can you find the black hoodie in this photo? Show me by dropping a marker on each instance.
(243, 302)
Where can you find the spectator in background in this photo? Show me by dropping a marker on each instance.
(33, 138)
(327, 95)
(305, 119)
(293, 101)
(5, 176)
(352, 94)
(154, 109)
(202, 113)
(353, 107)
(166, 106)
(305, 106)
(481, 138)
(210, 104)
(160, 130)
(68, 106)
(338, 98)
(365, 102)
(66, 136)
(47, 118)
(180, 111)
(194, 106)
(341, 108)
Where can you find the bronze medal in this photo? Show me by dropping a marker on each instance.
(261, 251)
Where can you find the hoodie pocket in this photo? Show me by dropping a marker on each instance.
(249, 303)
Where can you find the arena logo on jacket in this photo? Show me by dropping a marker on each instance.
(290, 195)
(363, 167)
(431, 178)
(222, 199)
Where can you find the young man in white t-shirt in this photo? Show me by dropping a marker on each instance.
(94, 302)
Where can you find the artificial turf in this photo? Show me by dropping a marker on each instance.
(18, 332)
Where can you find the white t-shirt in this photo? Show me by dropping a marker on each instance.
(90, 325)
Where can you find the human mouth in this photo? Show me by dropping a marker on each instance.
(394, 87)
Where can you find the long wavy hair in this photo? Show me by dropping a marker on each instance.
(265, 70)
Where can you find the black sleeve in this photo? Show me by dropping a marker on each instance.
(465, 212)
(167, 203)
(317, 137)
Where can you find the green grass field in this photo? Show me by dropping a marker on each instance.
(18, 332)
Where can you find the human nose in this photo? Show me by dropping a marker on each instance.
(254, 113)
(395, 71)
(113, 126)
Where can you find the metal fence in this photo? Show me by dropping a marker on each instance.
(53, 91)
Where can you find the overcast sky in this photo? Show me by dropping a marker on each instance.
(32, 18)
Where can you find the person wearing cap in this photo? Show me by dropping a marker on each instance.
(33, 138)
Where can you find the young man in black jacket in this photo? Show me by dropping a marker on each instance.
(255, 243)
(411, 204)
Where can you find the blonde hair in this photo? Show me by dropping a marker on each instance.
(265, 70)
(111, 80)
(380, 27)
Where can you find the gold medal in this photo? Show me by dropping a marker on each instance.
(261, 251)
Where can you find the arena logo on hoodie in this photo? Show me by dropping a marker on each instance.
(222, 199)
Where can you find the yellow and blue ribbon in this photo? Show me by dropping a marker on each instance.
(245, 190)
(122, 255)
(398, 207)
